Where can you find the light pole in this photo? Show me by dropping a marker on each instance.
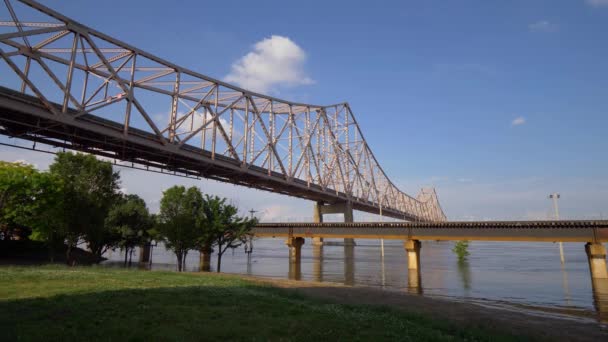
(555, 196)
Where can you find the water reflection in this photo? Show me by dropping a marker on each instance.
(414, 281)
(565, 285)
(600, 298)
(295, 271)
(317, 265)
(349, 264)
(464, 270)
(521, 273)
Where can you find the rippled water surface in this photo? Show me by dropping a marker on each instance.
(521, 274)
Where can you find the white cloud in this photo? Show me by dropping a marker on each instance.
(597, 3)
(274, 61)
(518, 121)
(543, 26)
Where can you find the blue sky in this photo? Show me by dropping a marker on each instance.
(496, 103)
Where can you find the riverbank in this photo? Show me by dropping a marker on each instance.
(93, 303)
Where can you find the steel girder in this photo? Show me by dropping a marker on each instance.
(87, 81)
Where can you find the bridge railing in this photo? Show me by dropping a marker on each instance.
(75, 70)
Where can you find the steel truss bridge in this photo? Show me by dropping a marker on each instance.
(67, 85)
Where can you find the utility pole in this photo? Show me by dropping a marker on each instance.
(555, 196)
(249, 242)
(381, 240)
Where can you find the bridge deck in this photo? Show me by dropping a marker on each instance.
(21, 114)
(547, 231)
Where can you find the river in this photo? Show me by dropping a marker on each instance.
(521, 276)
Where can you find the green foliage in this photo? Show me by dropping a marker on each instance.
(29, 198)
(130, 221)
(461, 249)
(90, 187)
(221, 226)
(178, 220)
(188, 220)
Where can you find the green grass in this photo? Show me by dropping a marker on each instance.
(93, 303)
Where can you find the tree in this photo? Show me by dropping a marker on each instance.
(461, 249)
(29, 198)
(220, 226)
(178, 220)
(90, 187)
(15, 184)
(130, 221)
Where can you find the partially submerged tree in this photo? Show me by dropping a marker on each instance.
(131, 222)
(177, 220)
(221, 227)
(461, 249)
(90, 187)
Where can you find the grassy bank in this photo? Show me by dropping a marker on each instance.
(91, 303)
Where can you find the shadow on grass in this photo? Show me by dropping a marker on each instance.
(250, 312)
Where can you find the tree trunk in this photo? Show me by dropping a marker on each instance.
(219, 262)
(68, 255)
(219, 257)
(184, 261)
(179, 261)
(51, 244)
(126, 252)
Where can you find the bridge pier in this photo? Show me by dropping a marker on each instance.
(317, 217)
(596, 255)
(295, 256)
(345, 208)
(412, 248)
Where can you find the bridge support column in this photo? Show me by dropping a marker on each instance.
(317, 217)
(345, 208)
(596, 255)
(348, 218)
(144, 253)
(295, 256)
(412, 248)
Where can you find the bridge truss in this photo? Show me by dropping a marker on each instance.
(67, 85)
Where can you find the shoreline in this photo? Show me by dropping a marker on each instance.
(40, 294)
(535, 321)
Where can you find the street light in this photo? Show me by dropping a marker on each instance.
(555, 196)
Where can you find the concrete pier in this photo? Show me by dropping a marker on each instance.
(412, 249)
(344, 208)
(317, 217)
(295, 249)
(295, 257)
(596, 255)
